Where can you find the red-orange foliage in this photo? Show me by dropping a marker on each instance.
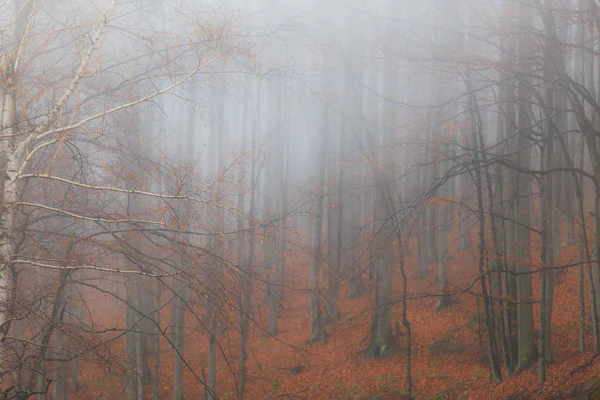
(339, 369)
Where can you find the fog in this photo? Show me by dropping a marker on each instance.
(180, 176)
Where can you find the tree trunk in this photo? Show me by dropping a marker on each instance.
(246, 264)
(495, 371)
(156, 346)
(334, 224)
(131, 388)
(317, 330)
(526, 342)
(60, 386)
(547, 251)
(212, 353)
(444, 299)
(178, 330)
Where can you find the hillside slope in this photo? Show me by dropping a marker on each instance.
(448, 347)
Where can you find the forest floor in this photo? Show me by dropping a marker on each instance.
(448, 356)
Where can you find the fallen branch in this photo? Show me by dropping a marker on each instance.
(582, 366)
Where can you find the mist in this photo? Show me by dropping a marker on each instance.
(262, 199)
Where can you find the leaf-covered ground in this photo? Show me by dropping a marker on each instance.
(448, 346)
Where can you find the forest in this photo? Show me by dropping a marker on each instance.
(299, 199)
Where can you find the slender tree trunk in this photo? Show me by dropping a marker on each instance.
(348, 229)
(283, 210)
(579, 186)
(547, 254)
(421, 232)
(78, 320)
(246, 264)
(495, 371)
(405, 321)
(442, 245)
(131, 388)
(334, 235)
(156, 346)
(317, 330)
(583, 250)
(505, 199)
(526, 343)
(386, 222)
(278, 172)
(60, 386)
(178, 308)
(212, 354)
(382, 342)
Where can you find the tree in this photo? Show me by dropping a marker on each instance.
(317, 329)
(78, 104)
